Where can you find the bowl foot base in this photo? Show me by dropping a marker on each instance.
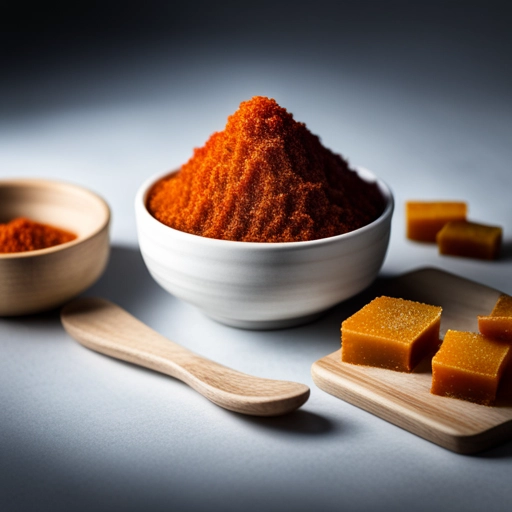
(265, 325)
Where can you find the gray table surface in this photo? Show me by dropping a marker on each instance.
(421, 97)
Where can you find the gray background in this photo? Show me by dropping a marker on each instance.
(107, 95)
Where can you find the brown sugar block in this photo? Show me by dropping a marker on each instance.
(499, 323)
(469, 239)
(426, 218)
(391, 333)
(468, 366)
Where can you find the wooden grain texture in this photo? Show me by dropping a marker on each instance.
(404, 399)
(105, 327)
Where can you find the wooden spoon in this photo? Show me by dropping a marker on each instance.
(105, 327)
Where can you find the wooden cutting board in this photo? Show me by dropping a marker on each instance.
(404, 399)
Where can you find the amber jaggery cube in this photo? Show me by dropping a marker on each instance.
(470, 239)
(468, 366)
(391, 333)
(425, 219)
(499, 323)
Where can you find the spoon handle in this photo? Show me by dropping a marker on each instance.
(106, 328)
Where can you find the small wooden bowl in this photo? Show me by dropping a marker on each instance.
(35, 281)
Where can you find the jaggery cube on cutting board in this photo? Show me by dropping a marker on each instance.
(404, 399)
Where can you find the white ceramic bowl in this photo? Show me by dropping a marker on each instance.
(35, 281)
(262, 285)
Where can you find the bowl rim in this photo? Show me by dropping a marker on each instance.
(55, 183)
(145, 187)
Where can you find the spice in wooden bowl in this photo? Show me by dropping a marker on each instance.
(22, 234)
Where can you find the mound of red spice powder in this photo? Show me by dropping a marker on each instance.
(21, 234)
(265, 178)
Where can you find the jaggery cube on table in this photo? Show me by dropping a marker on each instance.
(426, 218)
(470, 240)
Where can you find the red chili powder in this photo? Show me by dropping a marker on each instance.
(265, 178)
(21, 234)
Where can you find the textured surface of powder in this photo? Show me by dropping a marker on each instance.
(21, 234)
(265, 178)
